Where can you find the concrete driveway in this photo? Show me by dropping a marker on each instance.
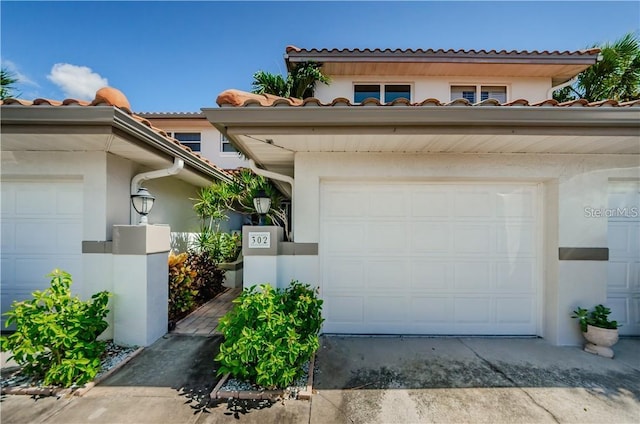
(452, 380)
(367, 380)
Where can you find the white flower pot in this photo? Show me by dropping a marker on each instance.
(600, 340)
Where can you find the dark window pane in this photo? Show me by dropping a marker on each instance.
(193, 146)
(187, 137)
(227, 147)
(361, 92)
(392, 92)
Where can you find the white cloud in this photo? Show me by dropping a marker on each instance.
(78, 82)
(15, 71)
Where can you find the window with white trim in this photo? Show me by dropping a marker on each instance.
(388, 92)
(190, 139)
(482, 92)
(226, 146)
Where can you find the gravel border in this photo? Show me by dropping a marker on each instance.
(111, 364)
(228, 388)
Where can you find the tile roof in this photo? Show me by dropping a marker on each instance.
(237, 98)
(109, 96)
(293, 50)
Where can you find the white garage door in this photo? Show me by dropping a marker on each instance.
(41, 230)
(623, 289)
(429, 258)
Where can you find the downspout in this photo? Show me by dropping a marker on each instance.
(136, 181)
(560, 86)
(278, 177)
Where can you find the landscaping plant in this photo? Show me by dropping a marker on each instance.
(270, 334)
(182, 290)
(209, 278)
(598, 317)
(56, 333)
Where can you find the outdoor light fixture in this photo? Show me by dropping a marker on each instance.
(262, 203)
(142, 202)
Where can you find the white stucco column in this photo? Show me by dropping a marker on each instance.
(140, 283)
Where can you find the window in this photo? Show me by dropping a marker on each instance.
(225, 145)
(191, 140)
(470, 92)
(388, 92)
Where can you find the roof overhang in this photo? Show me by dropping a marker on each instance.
(99, 128)
(272, 135)
(559, 66)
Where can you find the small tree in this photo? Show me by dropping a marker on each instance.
(214, 201)
(616, 76)
(299, 83)
(7, 81)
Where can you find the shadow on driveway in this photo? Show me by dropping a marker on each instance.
(422, 379)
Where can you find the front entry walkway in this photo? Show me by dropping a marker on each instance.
(204, 320)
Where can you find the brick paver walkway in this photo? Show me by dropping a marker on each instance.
(203, 321)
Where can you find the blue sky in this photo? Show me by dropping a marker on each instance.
(178, 56)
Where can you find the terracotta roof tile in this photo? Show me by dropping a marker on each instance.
(585, 52)
(112, 97)
(235, 98)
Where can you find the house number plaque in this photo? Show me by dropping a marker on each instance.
(259, 240)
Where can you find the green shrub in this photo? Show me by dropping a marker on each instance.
(209, 278)
(270, 334)
(222, 247)
(182, 290)
(56, 334)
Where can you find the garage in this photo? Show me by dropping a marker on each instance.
(430, 258)
(41, 230)
(623, 285)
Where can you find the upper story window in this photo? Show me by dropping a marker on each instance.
(189, 139)
(226, 146)
(388, 92)
(482, 92)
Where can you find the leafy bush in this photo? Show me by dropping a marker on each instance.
(270, 334)
(56, 334)
(182, 291)
(209, 278)
(599, 317)
(222, 247)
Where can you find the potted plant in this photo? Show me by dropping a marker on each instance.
(600, 332)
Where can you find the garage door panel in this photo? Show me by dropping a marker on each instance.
(472, 276)
(515, 204)
(475, 239)
(385, 309)
(515, 310)
(472, 310)
(619, 275)
(345, 238)
(346, 203)
(461, 259)
(515, 239)
(475, 204)
(431, 309)
(388, 275)
(41, 231)
(515, 276)
(386, 237)
(429, 276)
(387, 204)
(341, 309)
(345, 275)
(623, 283)
(430, 204)
(430, 237)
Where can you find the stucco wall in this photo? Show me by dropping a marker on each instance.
(120, 172)
(568, 184)
(173, 205)
(532, 89)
